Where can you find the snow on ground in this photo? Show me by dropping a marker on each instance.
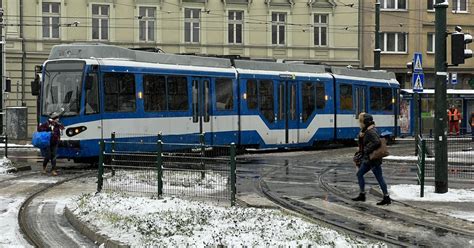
(170, 222)
(407, 192)
(10, 145)
(175, 181)
(10, 235)
(6, 166)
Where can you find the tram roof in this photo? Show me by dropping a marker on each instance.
(280, 67)
(102, 51)
(343, 71)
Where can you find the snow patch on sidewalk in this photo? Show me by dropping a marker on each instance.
(6, 166)
(9, 230)
(171, 222)
(407, 192)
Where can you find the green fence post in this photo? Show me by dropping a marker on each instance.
(203, 153)
(6, 146)
(233, 177)
(100, 178)
(112, 136)
(159, 166)
(423, 155)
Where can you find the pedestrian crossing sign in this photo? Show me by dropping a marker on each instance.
(417, 62)
(418, 82)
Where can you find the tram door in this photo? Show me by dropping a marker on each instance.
(360, 102)
(288, 112)
(201, 107)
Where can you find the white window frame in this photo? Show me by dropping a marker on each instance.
(433, 9)
(458, 5)
(147, 19)
(278, 23)
(192, 20)
(232, 20)
(384, 45)
(50, 15)
(383, 6)
(101, 17)
(431, 40)
(317, 29)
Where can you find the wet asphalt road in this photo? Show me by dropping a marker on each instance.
(298, 177)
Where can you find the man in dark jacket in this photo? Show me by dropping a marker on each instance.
(54, 126)
(369, 141)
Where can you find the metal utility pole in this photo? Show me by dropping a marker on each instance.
(1, 66)
(441, 118)
(377, 36)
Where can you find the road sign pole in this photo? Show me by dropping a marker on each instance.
(441, 144)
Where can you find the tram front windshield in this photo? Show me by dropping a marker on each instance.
(61, 92)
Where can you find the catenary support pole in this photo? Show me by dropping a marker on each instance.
(441, 144)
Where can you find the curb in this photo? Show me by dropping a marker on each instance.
(23, 168)
(92, 232)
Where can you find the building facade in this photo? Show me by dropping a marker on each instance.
(323, 31)
(407, 27)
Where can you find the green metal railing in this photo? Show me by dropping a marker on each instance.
(189, 170)
(420, 173)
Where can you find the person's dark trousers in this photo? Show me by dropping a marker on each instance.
(50, 154)
(377, 170)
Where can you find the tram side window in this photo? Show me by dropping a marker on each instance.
(308, 100)
(252, 100)
(119, 92)
(92, 94)
(387, 99)
(320, 96)
(224, 94)
(345, 98)
(154, 92)
(266, 100)
(177, 93)
(381, 99)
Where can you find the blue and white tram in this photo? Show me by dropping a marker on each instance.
(103, 89)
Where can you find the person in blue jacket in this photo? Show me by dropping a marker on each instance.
(54, 126)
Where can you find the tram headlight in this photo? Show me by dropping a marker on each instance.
(75, 130)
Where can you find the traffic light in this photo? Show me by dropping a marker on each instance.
(459, 42)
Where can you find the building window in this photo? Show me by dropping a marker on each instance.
(430, 43)
(147, 23)
(393, 42)
(320, 30)
(51, 20)
(278, 28)
(394, 4)
(100, 22)
(431, 4)
(460, 5)
(236, 22)
(191, 25)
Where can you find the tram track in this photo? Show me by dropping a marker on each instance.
(336, 213)
(39, 233)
